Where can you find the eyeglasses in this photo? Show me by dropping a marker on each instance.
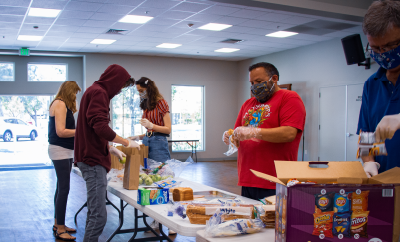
(383, 49)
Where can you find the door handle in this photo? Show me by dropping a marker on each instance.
(349, 135)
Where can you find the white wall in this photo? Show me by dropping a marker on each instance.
(309, 68)
(218, 77)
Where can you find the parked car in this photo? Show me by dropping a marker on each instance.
(16, 128)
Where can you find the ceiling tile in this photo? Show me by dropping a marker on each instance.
(42, 27)
(49, 44)
(133, 38)
(4, 25)
(273, 17)
(9, 32)
(191, 7)
(93, 1)
(256, 24)
(70, 21)
(98, 23)
(13, 10)
(163, 21)
(110, 36)
(296, 20)
(152, 27)
(179, 15)
(164, 4)
(38, 20)
(84, 35)
(15, 3)
(83, 6)
(220, 10)
(66, 28)
(55, 38)
(237, 29)
(279, 26)
(52, 32)
(92, 30)
(29, 44)
(188, 37)
(32, 32)
(230, 20)
(204, 17)
(76, 14)
(184, 24)
(49, 4)
(115, 9)
(142, 33)
(78, 41)
(107, 16)
(11, 18)
(125, 2)
(246, 13)
(152, 12)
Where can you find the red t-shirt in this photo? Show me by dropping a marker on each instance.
(156, 116)
(285, 108)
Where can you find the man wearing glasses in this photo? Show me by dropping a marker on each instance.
(380, 106)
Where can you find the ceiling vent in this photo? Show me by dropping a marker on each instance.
(231, 41)
(116, 31)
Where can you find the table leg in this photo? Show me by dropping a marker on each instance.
(121, 219)
(163, 234)
(76, 215)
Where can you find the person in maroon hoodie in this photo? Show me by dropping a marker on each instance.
(92, 151)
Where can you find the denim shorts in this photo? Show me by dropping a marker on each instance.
(158, 148)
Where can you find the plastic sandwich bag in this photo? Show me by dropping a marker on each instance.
(232, 148)
(217, 227)
(115, 175)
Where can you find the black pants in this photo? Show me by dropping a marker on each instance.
(257, 193)
(63, 171)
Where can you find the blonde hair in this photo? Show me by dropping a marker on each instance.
(67, 93)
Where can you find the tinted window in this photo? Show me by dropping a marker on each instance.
(21, 122)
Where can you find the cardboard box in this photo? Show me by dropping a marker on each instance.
(335, 212)
(153, 196)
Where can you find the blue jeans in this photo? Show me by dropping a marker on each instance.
(158, 148)
(96, 185)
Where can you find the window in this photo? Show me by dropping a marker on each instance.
(187, 116)
(47, 72)
(6, 72)
(24, 124)
(126, 113)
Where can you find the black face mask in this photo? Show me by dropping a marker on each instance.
(261, 91)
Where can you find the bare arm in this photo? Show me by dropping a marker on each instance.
(166, 129)
(281, 134)
(60, 113)
(118, 139)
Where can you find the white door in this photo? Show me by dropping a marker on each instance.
(339, 108)
(332, 130)
(354, 97)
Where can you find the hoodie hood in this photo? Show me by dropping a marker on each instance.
(113, 79)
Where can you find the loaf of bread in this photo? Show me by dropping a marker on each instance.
(197, 213)
(182, 194)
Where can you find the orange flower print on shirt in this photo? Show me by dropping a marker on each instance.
(256, 115)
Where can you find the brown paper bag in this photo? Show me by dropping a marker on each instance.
(143, 152)
(131, 173)
(115, 164)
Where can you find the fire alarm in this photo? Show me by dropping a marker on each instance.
(190, 25)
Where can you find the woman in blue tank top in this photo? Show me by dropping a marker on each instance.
(61, 151)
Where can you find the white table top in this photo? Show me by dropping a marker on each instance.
(264, 235)
(159, 212)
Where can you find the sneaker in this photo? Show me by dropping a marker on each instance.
(171, 232)
(154, 225)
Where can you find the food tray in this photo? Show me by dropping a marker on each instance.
(210, 195)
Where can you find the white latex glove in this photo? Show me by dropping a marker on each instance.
(225, 138)
(371, 168)
(117, 152)
(135, 138)
(244, 133)
(387, 127)
(146, 123)
(132, 144)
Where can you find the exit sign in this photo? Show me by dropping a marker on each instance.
(24, 52)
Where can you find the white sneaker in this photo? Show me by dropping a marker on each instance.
(171, 232)
(154, 225)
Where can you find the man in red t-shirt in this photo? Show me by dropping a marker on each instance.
(268, 128)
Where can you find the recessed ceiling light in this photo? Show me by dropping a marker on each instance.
(135, 19)
(281, 34)
(167, 45)
(215, 27)
(43, 12)
(226, 50)
(30, 37)
(102, 41)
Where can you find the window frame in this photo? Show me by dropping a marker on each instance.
(13, 64)
(203, 120)
(46, 63)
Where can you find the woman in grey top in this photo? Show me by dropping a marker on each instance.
(61, 151)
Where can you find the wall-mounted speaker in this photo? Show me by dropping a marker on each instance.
(353, 49)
